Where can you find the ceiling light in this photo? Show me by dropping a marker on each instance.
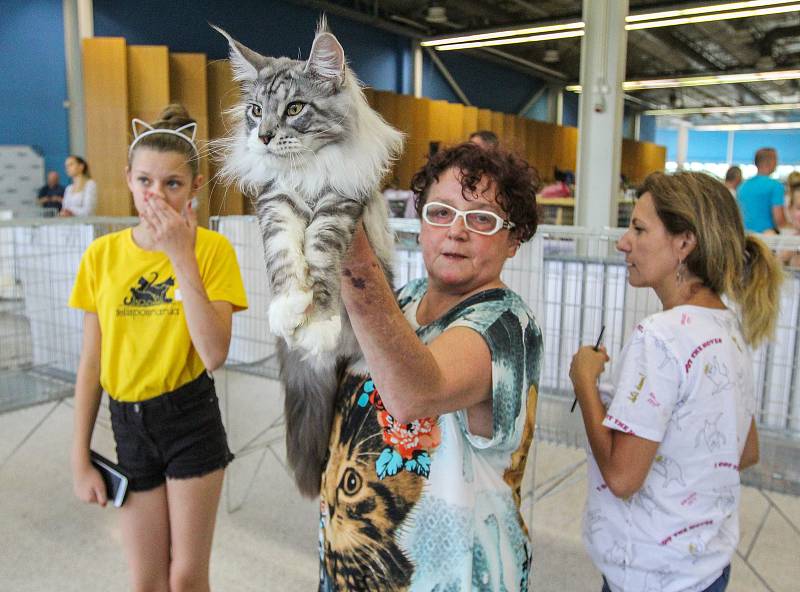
(727, 6)
(551, 56)
(707, 18)
(723, 110)
(502, 34)
(631, 85)
(734, 127)
(670, 18)
(493, 42)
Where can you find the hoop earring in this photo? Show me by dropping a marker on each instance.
(680, 272)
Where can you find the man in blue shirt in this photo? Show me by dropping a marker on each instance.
(761, 198)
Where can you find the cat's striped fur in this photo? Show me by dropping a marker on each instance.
(313, 153)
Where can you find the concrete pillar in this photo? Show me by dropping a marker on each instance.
(603, 51)
(683, 144)
(555, 105)
(416, 68)
(78, 24)
(729, 150)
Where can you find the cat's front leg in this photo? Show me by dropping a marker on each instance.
(327, 239)
(283, 223)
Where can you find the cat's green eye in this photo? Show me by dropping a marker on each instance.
(255, 110)
(351, 482)
(295, 108)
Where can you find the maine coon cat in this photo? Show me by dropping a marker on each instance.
(310, 149)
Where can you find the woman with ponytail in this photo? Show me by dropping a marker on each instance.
(669, 439)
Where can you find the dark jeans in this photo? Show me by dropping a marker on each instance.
(718, 585)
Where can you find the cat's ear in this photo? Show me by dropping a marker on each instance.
(327, 58)
(245, 62)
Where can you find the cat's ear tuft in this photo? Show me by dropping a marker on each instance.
(322, 25)
(327, 58)
(245, 62)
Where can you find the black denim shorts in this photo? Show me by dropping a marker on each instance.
(176, 435)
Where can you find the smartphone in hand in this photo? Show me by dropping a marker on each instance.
(115, 480)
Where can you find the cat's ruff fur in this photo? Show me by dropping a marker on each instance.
(374, 145)
(313, 178)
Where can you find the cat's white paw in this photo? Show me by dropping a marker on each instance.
(287, 312)
(318, 335)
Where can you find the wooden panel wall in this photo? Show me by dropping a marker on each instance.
(639, 159)
(188, 85)
(223, 93)
(105, 88)
(470, 122)
(148, 81)
(138, 81)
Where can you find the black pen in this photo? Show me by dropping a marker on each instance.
(596, 347)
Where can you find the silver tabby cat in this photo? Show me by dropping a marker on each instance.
(313, 152)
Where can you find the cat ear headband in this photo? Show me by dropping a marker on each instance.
(138, 134)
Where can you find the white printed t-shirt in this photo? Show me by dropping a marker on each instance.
(683, 379)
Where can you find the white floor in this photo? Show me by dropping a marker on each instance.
(50, 541)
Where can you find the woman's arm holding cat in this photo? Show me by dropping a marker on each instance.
(453, 372)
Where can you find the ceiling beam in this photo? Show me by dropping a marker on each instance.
(368, 19)
(667, 38)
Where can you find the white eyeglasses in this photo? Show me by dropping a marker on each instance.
(480, 221)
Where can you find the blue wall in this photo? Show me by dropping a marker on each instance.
(647, 129)
(668, 137)
(269, 27)
(488, 85)
(786, 142)
(380, 59)
(32, 68)
(571, 109)
(33, 74)
(712, 146)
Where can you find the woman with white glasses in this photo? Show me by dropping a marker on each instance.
(432, 430)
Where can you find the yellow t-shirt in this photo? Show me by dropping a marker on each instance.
(146, 348)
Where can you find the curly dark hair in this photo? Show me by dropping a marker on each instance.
(516, 181)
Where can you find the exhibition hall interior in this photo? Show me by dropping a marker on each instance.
(598, 102)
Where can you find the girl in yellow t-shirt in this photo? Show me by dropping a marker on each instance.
(158, 301)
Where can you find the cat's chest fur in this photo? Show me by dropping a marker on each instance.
(310, 203)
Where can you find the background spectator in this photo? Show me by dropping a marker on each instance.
(52, 194)
(761, 198)
(80, 197)
(792, 258)
(733, 178)
(484, 139)
(792, 181)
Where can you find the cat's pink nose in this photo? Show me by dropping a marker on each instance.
(266, 138)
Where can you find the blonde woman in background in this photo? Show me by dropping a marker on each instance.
(80, 197)
(792, 258)
(669, 439)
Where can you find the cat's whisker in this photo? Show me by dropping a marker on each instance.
(368, 438)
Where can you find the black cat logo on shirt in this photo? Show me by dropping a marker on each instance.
(150, 293)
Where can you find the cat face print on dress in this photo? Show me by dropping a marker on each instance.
(360, 511)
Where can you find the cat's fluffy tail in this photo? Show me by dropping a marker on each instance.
(310, 390)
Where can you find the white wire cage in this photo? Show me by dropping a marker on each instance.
(41, 335)
(572, 278)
